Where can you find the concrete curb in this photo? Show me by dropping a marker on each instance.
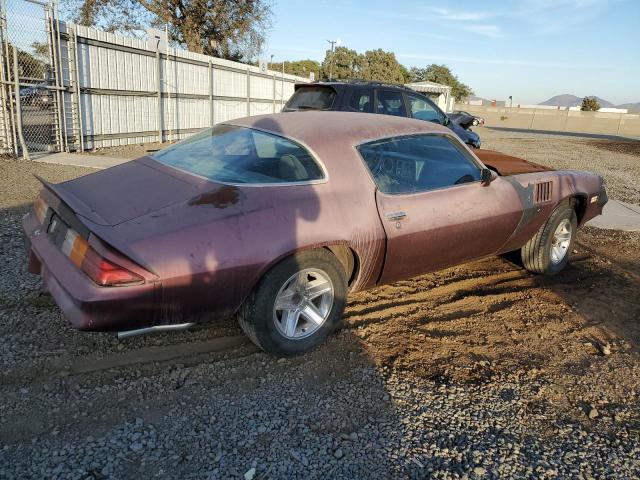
(618, 215)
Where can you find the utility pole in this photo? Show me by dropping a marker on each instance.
(332, 42)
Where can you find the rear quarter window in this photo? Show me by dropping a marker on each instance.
(231, 154)
(312, 98)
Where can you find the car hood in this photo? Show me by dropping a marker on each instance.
(127, 191)
(508, 165)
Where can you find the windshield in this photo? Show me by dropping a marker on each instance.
(312, 98)
(231, 154)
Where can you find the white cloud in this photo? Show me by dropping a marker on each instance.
(491, 31)
(459, 15)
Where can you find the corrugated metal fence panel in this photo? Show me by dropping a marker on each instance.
(261, 108)
(229, 84)
(262, 87)
(185, 113)
(228, 110)
(119, 80)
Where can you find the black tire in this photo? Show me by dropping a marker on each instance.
(536, 253)
(256, 316)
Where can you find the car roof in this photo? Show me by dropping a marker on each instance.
(317, 128)
(355, 84)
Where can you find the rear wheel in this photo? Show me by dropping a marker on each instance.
(297, 304)
(549, 250)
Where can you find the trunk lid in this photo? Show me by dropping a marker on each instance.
(127, 191)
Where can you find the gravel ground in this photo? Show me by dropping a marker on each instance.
(479, 371)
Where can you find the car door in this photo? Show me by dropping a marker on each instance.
(360, 100)
(422, 109)
(390, 102)
(434, 209)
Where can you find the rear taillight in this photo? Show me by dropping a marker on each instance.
(102, 271)
(40, 210)
(106, 273)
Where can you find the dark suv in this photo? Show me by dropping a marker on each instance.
(374, 97)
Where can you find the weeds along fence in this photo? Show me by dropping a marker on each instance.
(86, 89)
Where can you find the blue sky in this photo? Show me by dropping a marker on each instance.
(531, 49)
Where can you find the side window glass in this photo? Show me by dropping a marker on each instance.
(390, 103)
(423, 110)
(361, 101)
(417, 163)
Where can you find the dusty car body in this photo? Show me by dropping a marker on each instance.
(172, 242)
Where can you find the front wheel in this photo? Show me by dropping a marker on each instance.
(549, 249)
(297, 304)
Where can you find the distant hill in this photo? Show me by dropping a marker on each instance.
(632, 107)
(568, 100)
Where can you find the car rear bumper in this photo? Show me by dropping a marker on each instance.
(86, 305)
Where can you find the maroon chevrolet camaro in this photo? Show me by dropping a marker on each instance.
(275, 218)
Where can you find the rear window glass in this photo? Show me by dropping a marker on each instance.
(312, 98)
(231, 154)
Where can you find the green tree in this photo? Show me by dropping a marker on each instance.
(298, 67)
(441, 74)
(229, 29)
(341, 64)
(590, 104)
(377, 65)
(381, 66)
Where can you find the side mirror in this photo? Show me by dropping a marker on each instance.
(446, 121)
(487, 176)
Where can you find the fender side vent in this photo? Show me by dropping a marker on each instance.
(543, 192)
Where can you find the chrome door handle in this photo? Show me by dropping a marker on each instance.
(393, 216)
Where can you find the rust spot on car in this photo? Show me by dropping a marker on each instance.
(220, 197)
(507, 164)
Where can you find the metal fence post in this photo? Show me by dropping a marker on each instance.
(248, 92)
(60, 81)
(533, 117)
(159, 68)
(274, 92)
(619, 123)
(25, 151)
(211, 115)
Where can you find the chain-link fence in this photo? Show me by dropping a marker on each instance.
(31, 93)
(69, 87)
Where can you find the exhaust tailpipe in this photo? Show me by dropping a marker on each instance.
(155, 329)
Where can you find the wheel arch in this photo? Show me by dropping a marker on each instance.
(347, 257)
(578, 203)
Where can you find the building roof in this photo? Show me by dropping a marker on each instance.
(429, 87)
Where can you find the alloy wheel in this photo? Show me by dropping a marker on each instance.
(303, 303)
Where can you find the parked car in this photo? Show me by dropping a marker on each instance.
(36, 95)
(374, 97)
(475, 120)
(276, 217)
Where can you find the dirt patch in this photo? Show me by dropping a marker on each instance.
(617, 146)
